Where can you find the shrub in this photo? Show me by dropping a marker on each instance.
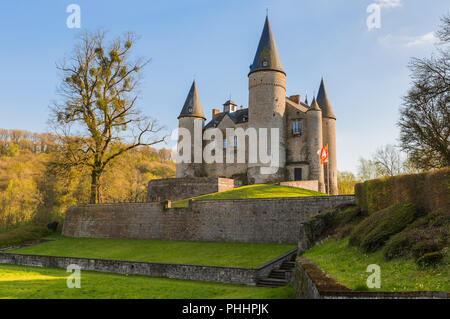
(373, 232)
(425, 235)
(338, 222)
(430, 259)
(21, 234)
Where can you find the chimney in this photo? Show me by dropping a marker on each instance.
(295, 98)
(214, 113)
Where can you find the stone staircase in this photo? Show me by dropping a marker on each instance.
(280, 276)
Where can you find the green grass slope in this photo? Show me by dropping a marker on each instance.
(254, 191)
(348, 266)
(244, 255)
(18, 282)
(410, 246)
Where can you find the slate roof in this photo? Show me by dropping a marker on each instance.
(324, 102)
(314, 106)
(192, 106)
(266, 57)
(238, 117)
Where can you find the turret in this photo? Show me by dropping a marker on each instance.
(329, 136)
(315, 143)
(267, 104)
(192, 119)
(229, 106)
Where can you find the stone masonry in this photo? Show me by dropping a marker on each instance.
(275, 220)
(183, 188)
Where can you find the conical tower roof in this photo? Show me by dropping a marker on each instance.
(324, 102)
(192, 107)
(266, 57)
(314, 106)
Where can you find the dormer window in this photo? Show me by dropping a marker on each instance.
(190, 109)
(297, 127)
(265, 64)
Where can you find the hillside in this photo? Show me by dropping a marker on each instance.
(32, 190)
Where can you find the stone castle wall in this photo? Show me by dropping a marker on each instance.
(275, 220)
(183, 188)
(311, 185)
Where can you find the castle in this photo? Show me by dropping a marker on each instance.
(303, 129)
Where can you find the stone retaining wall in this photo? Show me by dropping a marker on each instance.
(311, 185)
(246, 276)
(183, 188)
(310, 282)
(275, 220)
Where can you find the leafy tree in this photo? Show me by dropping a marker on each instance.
(425, 116)
(97, 119)
(32, 191)
(346, 183)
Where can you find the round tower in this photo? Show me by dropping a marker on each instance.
(315, 143)
(329, 136)
(190, 136)
(267, 105)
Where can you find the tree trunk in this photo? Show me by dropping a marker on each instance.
(95, 187)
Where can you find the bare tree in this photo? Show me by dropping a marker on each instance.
(97, 119)
(367, 170)
(388, 161)
(425, 115)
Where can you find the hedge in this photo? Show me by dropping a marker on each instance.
(429, 191)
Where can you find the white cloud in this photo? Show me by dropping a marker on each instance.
(389, 3)
(408, 41)
(425, 39)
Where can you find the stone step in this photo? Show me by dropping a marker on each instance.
(277, 275)
(286, 268)
(281, 271)
(272, 282)
(287, 265)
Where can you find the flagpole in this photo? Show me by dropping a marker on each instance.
(328, 171)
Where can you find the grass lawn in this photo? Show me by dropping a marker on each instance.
(254, 191)
(18, 282)
(179, 252)
(348, 266)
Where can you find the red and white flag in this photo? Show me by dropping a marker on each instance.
(323, 154)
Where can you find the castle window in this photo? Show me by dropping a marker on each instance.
(297, 127)
(235, 141)
(224, 143)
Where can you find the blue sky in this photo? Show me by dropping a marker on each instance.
(365, 71)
